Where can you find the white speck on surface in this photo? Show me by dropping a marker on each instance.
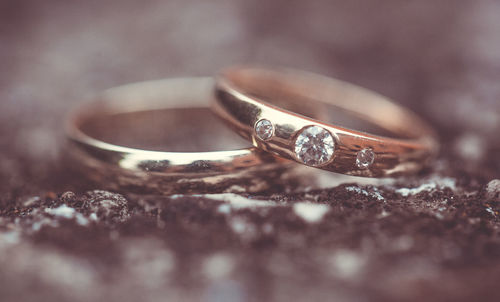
(325, 179)
(241, 226)
(224, 208)
(435, 183)
(447, 182)
(439, 215)
(31, 201)
(383, 214)
(240, 202)
(218, 266)
(37, 225)
(490, 210)
(213, 180)
(238, 226)
(424, 187)
(493, 190)
(310, 212)
(149, 261)
(81, 220)
(66, 212)
(61, 211)
(471, 147)
(93, 217)
(236, 188)
(375, 194)
(346, 264)
(10, 238)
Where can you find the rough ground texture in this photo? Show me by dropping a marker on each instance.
(433, 237)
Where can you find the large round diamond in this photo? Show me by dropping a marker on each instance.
(314, 146)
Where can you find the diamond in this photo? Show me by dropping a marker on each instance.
(314, 146)
(365, 158)
(264, 129)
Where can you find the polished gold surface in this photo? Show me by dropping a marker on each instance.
(294, 100)
(176, 111)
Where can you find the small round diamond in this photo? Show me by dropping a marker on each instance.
(314, 146)
(264, 129)
(365, 158)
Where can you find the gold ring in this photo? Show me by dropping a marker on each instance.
(107, 135)
(296, 115)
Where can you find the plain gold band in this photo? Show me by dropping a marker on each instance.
(147, 171)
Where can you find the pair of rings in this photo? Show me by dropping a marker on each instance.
(287, 115)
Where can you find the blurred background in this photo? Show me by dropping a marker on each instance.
(440, 58)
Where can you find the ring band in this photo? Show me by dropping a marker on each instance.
(287, 113)
(146, 171)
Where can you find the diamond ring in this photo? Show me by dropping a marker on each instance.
(310, 119)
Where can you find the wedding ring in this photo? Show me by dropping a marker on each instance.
(305, 117)
(108, 135)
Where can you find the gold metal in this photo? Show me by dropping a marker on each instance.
(293, 100)
(146, 171)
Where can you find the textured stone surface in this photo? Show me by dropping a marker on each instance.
(430, 237)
